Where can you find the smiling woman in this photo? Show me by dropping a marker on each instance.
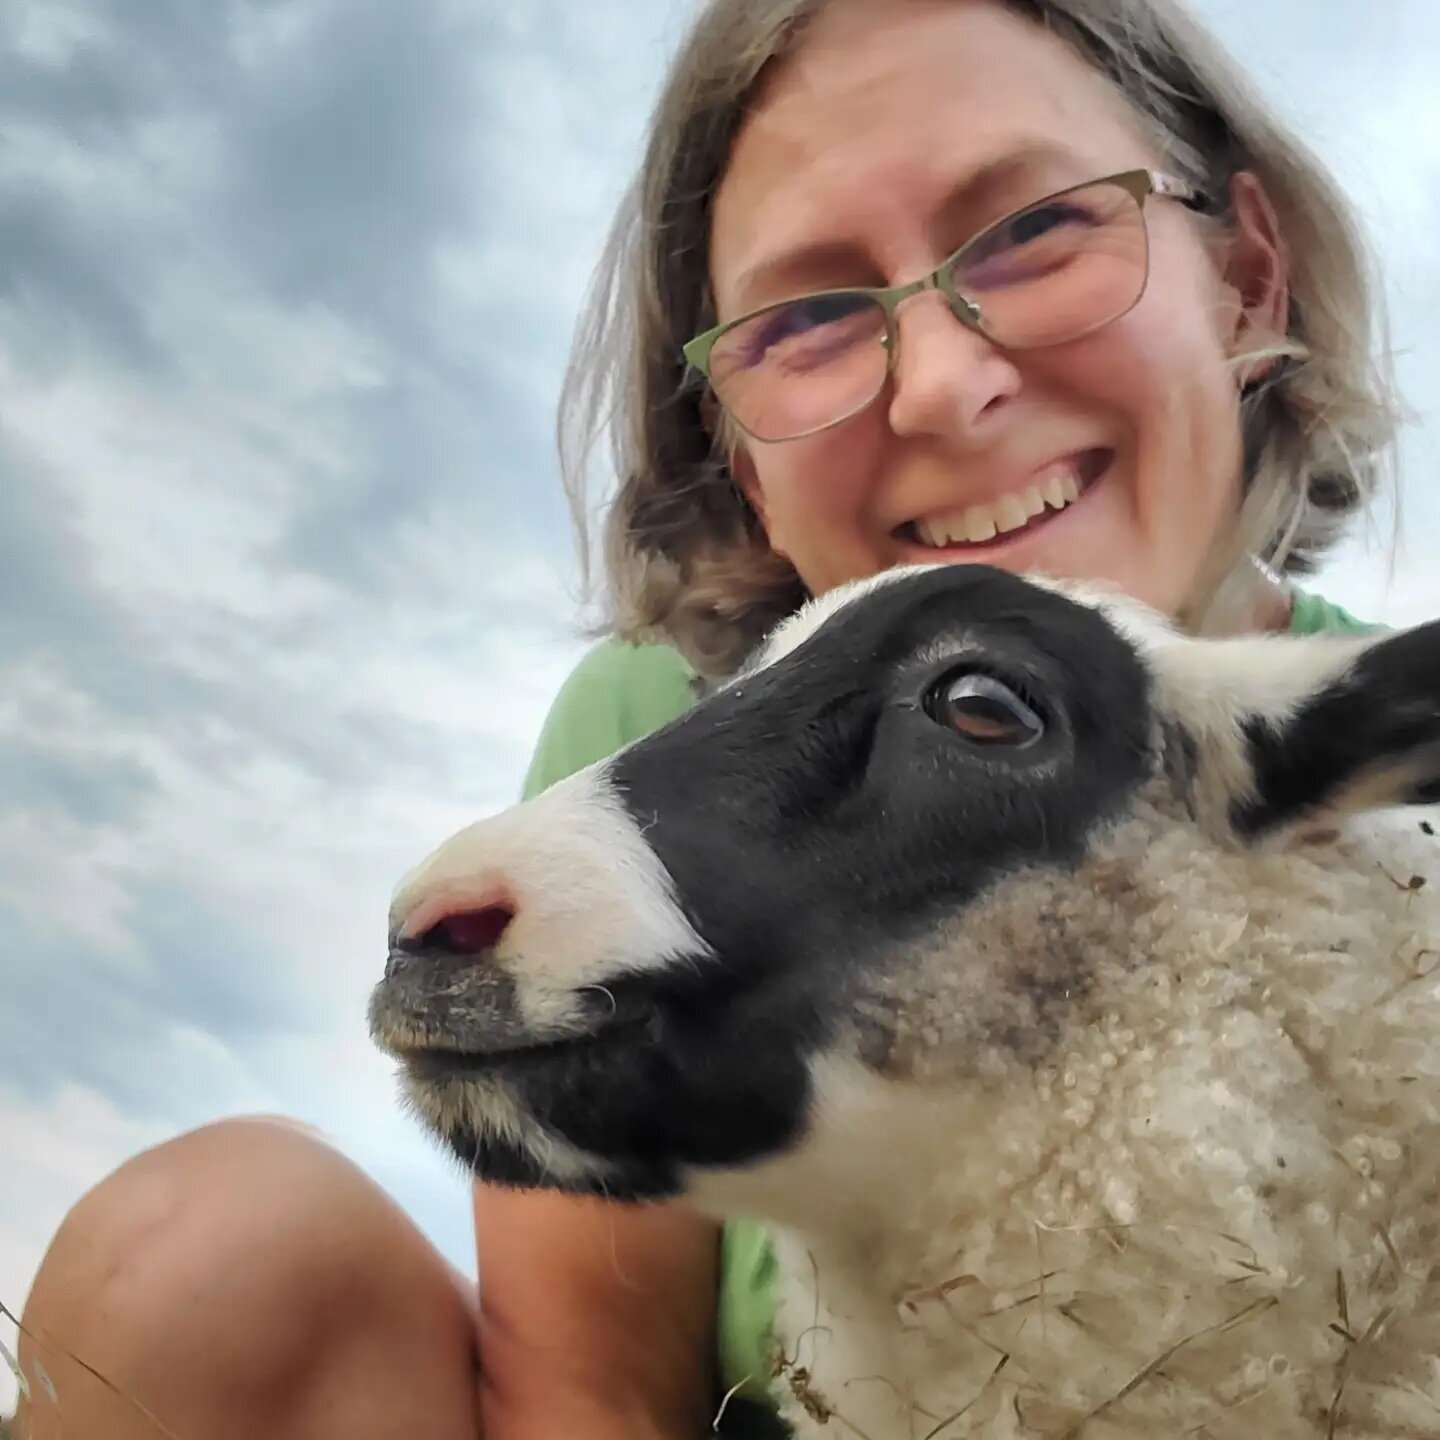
(1038, 283)
(1226, 405)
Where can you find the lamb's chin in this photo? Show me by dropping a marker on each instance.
(481, 1117)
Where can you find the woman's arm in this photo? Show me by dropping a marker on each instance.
(597, 1320)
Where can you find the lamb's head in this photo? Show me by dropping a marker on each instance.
(907, 852)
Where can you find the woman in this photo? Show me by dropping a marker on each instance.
(1143, 357)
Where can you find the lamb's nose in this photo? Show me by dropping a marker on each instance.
(450, 923)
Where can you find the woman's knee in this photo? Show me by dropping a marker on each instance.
(243, 1244)
(216, 1213)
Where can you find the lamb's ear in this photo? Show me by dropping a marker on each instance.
(1364, 736)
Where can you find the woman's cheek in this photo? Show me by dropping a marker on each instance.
(827, 479)
(812, 494)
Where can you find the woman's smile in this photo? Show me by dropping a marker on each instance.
(983, 529)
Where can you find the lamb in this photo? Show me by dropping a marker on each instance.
(1062, 990)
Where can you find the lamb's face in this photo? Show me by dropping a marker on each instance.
(645, 974)
(682, 931)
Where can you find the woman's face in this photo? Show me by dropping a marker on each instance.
(896, 131)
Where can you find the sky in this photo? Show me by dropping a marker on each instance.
(286, 585)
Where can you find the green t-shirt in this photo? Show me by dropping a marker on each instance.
(617, 694)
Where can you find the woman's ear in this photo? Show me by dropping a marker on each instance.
(1256, 270)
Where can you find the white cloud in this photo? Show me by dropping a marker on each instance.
(58, 876)
(50, 35)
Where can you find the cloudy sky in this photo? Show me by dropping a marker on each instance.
(285, 583)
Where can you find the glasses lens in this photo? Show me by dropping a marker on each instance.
(1058, 270)
(802, 365)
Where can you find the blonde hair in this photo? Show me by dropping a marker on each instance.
(684, 557)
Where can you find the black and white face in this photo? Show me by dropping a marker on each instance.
(637, 977)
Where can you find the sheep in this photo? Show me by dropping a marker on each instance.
(1062, 990)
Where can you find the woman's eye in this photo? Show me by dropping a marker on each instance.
(1055, 222)
(984, 711)
(832, 317)
(1035, 224)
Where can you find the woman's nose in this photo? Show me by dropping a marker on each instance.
(948, 381)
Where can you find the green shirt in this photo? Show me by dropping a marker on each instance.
(616, 694)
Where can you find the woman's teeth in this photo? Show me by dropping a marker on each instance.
(1056, 488)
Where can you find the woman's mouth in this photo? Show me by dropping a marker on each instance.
(991, 523)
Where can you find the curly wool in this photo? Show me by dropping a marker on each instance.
(1210, 1206)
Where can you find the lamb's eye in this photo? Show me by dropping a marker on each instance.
(984, 711)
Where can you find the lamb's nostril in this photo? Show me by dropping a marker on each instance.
(452, 919)
(459, 932)
(467, 932)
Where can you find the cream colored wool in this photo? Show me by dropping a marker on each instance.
(1209, 1207)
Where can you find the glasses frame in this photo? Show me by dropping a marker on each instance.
(1139, 184)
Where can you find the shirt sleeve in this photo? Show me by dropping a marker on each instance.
(616, 694)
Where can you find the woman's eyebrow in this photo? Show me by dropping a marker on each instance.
(789, 271)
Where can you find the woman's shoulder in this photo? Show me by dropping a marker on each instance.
(1312, 614)
(615, 694)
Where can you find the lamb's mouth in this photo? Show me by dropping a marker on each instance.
(990, 524)
(448, 1060)
(439, 1023)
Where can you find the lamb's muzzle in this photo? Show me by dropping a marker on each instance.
(499, 941)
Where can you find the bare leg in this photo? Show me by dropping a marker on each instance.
(247, 1282)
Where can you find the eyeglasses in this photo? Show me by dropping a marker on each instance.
(1057, 270)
